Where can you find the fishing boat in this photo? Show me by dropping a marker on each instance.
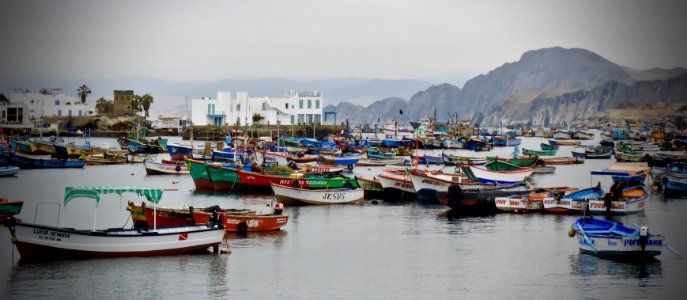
(673, 187)
(524, 161)
(562, 160)
(397, 185)
(527, 203)
(632, 200)
(8, 171)
(502, 177)
(348, 161)
(427, 184)
(371, 162)
(105, 159)
(565, 142)
(31, 161)
(598, 155)
(470, 160)
(573, 203)
(374, 153)
(298, 196)
(562, 135)
(662, 159)
(505, 141)
(44, 242)
(479, 200)
(234, 220)
(153, 168)
(545, 146)
(9, 208)
(609, 239)
(371, 186)
(539, 152)
(476, 144)
(426, 160)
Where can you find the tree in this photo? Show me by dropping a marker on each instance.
(83, 91)
(257, 118)
(101, 105)
(145, 101)
(136, 104)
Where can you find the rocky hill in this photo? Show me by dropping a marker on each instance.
(547, 85)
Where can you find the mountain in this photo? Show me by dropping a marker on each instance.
(352, 89)
(379, 110)
(507, 92)
(644, 99)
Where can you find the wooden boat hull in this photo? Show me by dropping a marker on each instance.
(397, 185)
(635, 201)
(27, 161)
(47, 242)
(200, 175)
(521, 203)
(573, 203)
(153, 168)
(297, 196)
(501, 177)
(233, 220)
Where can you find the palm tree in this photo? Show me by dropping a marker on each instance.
(135, 104)
(146, 101)
(83, 91)
(257, 118)
(101, 105)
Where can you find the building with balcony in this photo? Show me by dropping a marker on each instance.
(294, 108)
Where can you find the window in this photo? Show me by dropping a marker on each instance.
(300, 103)
(317, 103)
(238, 107)
(57, 102)
(59, 112)
(68, 103)
(309, 116)
(286, 106)
(209, 109)
(309, 103)
(69, 112)
(80, 113)
(292, 119)
(318, 118)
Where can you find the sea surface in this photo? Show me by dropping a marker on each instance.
(370, 251)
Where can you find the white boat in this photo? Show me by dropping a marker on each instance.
(153, 168)
(427, 184)
(633, 200)
(575, 202)
(613, 240)
(51, 242)
(391, 179)
(503, 177)
(521, 203)
(291, 196)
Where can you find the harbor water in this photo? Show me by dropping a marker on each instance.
(376, 250)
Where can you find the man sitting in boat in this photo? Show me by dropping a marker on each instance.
(278, 208)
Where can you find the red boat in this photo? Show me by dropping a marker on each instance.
(235, 220)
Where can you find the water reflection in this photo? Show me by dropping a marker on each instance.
(588, 265)
(256, 238)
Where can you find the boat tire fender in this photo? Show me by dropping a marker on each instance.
(348, 185)
(295, 183)
(178, 168)
(350, 167)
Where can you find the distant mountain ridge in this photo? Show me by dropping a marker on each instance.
(506, 93)
(351, 89)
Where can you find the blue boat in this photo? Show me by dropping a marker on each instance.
(374, 153)
(503, 141)
(177, 151)
(28, 161)
(393, 143)
(673, 186)
(8, 171)
(477, 145)
(427, 160)
(609, 239)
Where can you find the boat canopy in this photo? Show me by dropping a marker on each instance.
(94, 192)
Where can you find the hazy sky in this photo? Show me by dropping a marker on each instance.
(318, 39)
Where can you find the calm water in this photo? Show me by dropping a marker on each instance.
(369, 251)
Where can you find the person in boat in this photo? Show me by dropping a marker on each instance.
(278, 208)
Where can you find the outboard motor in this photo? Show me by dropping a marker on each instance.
(643, 236)
(455, 193)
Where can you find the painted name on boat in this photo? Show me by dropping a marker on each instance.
(648, 243)
(333, 196)
(44, 234)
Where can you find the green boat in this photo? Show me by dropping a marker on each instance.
(199, 174)
(545, 146)
(499, 165)
(10, 208)
(540, 153)
(524, 161)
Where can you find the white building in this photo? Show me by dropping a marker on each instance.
(294, 108)
(51, 102)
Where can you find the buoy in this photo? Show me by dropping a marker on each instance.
(571, 232)
(654, 188)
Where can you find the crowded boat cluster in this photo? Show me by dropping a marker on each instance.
(306, 171)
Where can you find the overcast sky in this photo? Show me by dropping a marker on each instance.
(203, 41)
